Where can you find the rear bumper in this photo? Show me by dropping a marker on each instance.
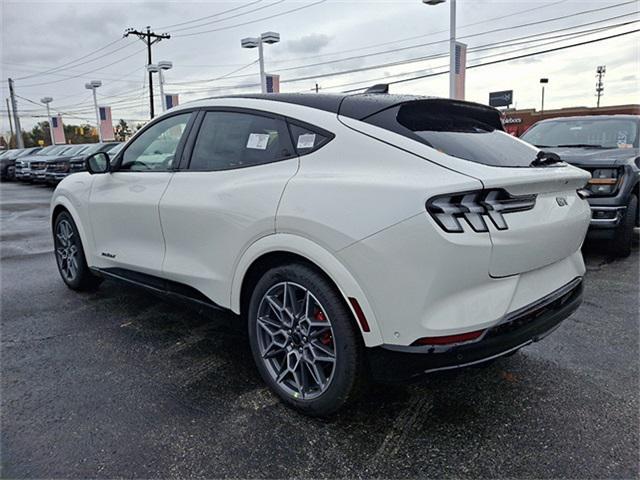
(531, 323)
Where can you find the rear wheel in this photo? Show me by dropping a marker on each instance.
(623, 240)
(72, 264)
(304, 341)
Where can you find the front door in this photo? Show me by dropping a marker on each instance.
(124, 203)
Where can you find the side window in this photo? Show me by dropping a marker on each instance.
(229, 140)
(305, 139)
(155, 148)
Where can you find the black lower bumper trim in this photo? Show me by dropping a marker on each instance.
(517, 329)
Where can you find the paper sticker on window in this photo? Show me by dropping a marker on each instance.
(258, 141)
(306, 140)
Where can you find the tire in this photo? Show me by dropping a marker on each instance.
(623, 239)
(298, 348)
(70, 258)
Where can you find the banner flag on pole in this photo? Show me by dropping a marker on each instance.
(273, 83)
(171, 100)
(106, 124)
(460, 68)
(58, 130)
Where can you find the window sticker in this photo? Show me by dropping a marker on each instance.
(258, 141)
(306, 140)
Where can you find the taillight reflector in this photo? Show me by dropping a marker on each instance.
(449, 339)
(362, 320)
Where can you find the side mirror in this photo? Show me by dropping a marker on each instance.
(98, 163)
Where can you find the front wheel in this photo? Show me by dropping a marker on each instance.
(70, 258)
(304, 340)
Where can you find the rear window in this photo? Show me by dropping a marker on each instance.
(459, 132)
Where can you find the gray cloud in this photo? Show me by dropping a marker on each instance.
(309, 44)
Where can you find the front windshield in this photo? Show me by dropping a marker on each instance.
(52, 149)
(593, 132)
(113, 151)
(91, 148)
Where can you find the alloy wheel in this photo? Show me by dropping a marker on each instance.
(296, 340)
(66, 250)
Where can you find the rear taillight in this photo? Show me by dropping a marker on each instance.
(474, 207)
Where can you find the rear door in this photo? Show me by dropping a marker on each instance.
(225, 197)
(124, 203)
(469, 139)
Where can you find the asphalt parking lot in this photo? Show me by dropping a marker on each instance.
(120, 384)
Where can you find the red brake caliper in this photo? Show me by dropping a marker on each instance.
(326, 337)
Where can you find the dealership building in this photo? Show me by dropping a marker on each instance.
(516, 122)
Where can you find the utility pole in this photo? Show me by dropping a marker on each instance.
(149, 38)
(47, 101)
(600, 71)
(10, 121)
(16, 119)
(317, 87)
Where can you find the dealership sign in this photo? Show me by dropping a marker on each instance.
(501, 99)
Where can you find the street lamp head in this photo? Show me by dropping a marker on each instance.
(433, 2)
(152, 68)
(250, 42)
(165, 65)
(270, 37)
(544, 80)
(46, 100)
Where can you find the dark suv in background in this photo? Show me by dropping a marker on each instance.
(8, 161)
(607, 147)
(59, 168)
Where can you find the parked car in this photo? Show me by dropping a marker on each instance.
(39, 170)
(23, 164)
(607, 147)
(357, 235)
(59, 168)
(8, 161)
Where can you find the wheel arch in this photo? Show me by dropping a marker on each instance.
(278, 248)
(63, 204)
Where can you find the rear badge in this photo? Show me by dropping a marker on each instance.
(108, 255)
(562, 201)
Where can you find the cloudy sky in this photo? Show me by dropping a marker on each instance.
(52, 48)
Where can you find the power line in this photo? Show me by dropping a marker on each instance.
(167, 27)
(415, 37)
(84, 73)
(286, 12)
(426, 57)
(517, 57)
(229, 18)
(72, 61)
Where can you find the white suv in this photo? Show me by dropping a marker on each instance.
(358, 235)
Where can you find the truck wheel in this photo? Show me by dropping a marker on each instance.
(304, 341)
(70, 258)
(623, 240)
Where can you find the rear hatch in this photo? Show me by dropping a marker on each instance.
(551, 221)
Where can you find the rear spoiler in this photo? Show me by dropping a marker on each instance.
(439, 106)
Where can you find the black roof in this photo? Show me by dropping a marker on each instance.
(362, 105)
(357, 106)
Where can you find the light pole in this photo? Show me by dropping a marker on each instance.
(543, 82)
(452, 42)
(253, 42)
(163, 65)
(47, 101)
(92, 85)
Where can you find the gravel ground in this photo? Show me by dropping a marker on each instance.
(121, 384)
